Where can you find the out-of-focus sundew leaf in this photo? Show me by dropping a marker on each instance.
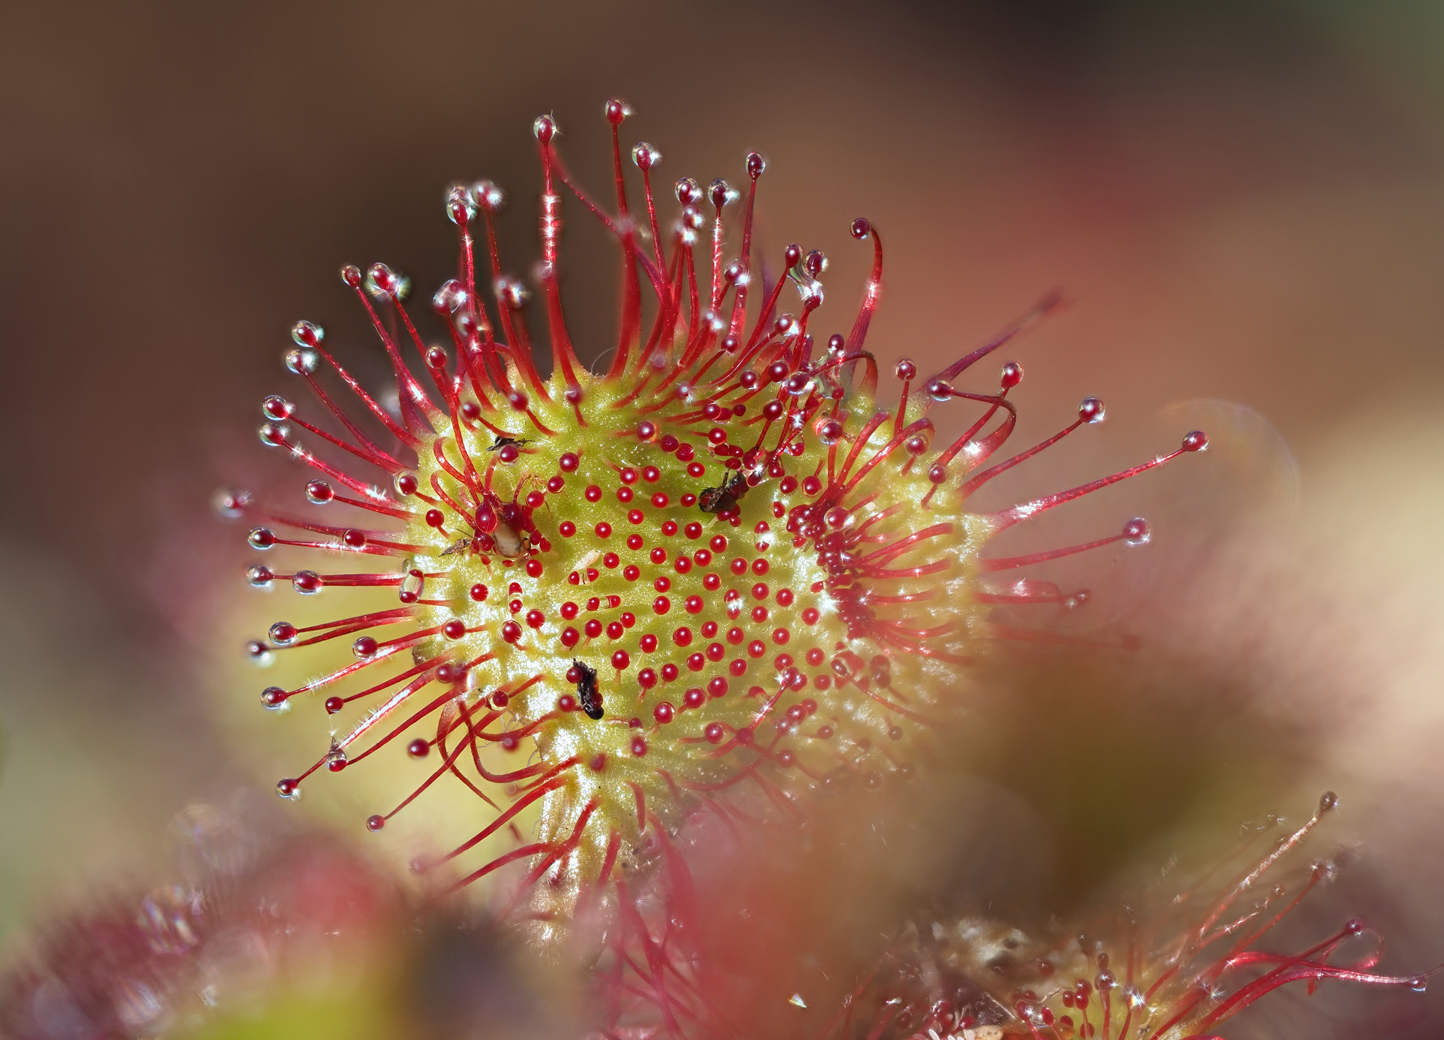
(358, 1012)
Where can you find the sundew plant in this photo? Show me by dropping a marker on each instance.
(599, 599)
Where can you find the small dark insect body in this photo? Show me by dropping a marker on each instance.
(724, 498)
(506, 442)
(588, 696)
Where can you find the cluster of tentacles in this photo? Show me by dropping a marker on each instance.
(603, 596)
(1171, 964)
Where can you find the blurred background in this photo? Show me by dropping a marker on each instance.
(1243, 202)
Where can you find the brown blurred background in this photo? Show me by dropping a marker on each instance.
(1243, 201)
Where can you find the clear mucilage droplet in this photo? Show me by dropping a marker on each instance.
(307, 334)
(450, 298)
(336, 757)
(302, 361)
(277, 408)
(411, 586)
(645, 156)
(489, 198)
(384, 283)
(460, 204)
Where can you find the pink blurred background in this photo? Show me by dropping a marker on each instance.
(1244, 203)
